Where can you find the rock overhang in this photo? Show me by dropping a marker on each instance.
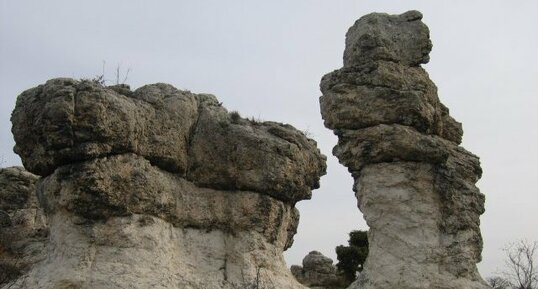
(66, 121)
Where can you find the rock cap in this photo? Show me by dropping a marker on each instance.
(379, 36)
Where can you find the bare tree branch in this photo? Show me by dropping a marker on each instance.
(520, 264)
(499, 283)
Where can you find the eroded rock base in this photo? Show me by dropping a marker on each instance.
(142, 251)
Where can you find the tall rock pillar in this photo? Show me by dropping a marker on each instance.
(414, 184)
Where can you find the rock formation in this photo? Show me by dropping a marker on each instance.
(318, 272)
(23, 227)
(160, 188)
(414, 184)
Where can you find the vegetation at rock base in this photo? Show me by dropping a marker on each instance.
(351, 258)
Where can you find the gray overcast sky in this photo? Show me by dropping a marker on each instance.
(266, 58)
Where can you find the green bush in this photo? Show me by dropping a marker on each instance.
(351, 258)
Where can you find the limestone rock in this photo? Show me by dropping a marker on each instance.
(397, 38)
(318, 272)
(265, 157)
(65, 121)
(160, 188)
(178, 131)
(23, 227)
(122, 185)
(414, 184)
(17, 189)
(381, 82)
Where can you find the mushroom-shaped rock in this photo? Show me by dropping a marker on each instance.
(160, 188)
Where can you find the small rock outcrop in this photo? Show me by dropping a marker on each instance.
(414, 184)
(23, 227)
(160, 188)
(318, 272)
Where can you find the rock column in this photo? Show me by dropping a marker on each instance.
(414, 184)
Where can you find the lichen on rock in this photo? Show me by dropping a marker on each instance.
(414, 184)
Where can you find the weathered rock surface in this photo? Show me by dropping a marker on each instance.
(160, 188)
(23, 227)
(318, 272)
(414, 184)
(66, 121)
(381, 81)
